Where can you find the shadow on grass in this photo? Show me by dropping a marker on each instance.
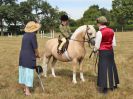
(68, 73)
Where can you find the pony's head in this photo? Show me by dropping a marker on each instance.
(85, 32)
(90, 34)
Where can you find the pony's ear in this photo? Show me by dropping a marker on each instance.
(88, 27)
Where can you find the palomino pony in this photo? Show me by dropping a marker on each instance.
(75, 52)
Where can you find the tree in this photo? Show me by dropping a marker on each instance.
(73, 23)
(122, 11)
(91, 14)
(2, 15)
(3, 11)
(50, 16)
(25, 12)
(35, 4)
(106, 13)
(11, 16)
(8, 2)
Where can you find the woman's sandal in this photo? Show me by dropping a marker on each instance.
(29, 94)
(26, 94)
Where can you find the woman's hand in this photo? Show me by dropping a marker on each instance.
(37, 56)
(37, 53)
(95, 49)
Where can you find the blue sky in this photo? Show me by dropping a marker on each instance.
(76, 8)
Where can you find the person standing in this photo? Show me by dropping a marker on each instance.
(28, 54)
(104, 43)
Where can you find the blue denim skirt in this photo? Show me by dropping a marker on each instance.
(26, 76)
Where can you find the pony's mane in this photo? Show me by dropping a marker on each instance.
(82, 29)
(78, 30)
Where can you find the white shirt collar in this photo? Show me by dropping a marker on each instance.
(102, 26)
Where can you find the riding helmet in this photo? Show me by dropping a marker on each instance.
(64, 18)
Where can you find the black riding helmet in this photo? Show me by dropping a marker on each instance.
(64, 18)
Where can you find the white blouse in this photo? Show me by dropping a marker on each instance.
(98, 39)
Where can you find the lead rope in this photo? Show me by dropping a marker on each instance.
(96, 60)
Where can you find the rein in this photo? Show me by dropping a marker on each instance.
(79, 40)
(96, 56)
(86, 33)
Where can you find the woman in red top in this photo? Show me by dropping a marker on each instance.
(107, 71)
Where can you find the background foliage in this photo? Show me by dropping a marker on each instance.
(14, 16)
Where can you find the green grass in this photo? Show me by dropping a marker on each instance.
(62, 87)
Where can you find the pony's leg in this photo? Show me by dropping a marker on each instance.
(81, 72)
(53, 66)
(74, 71)
(45, 64)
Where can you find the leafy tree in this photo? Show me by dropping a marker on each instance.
(11, 16)
(73, 23)
(8, 2)
(3, 11)
(106, 13)
(91, 14)
(50, 16)
(25, 12)
(2, 15)
(122, 12)
(36, 4)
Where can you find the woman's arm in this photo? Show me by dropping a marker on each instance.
(35, 45)
(37, 53)
(98, 40)
(114, 41)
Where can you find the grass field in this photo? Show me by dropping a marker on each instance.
(61, 87)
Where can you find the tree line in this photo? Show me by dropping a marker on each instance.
(120, 16)
(14, 16)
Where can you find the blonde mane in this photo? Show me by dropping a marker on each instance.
(79, 30)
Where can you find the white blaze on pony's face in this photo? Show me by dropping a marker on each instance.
(91, 31)
(91, 34)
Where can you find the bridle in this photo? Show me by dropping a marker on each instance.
(88, 35)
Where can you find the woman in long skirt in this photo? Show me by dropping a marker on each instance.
(28, 54)
(107, 71)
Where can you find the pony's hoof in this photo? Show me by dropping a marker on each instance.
(75, 82)
(54, 76)
(83, 80)
(45, 75)
(95, 74)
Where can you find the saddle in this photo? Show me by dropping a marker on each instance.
(65, 46)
